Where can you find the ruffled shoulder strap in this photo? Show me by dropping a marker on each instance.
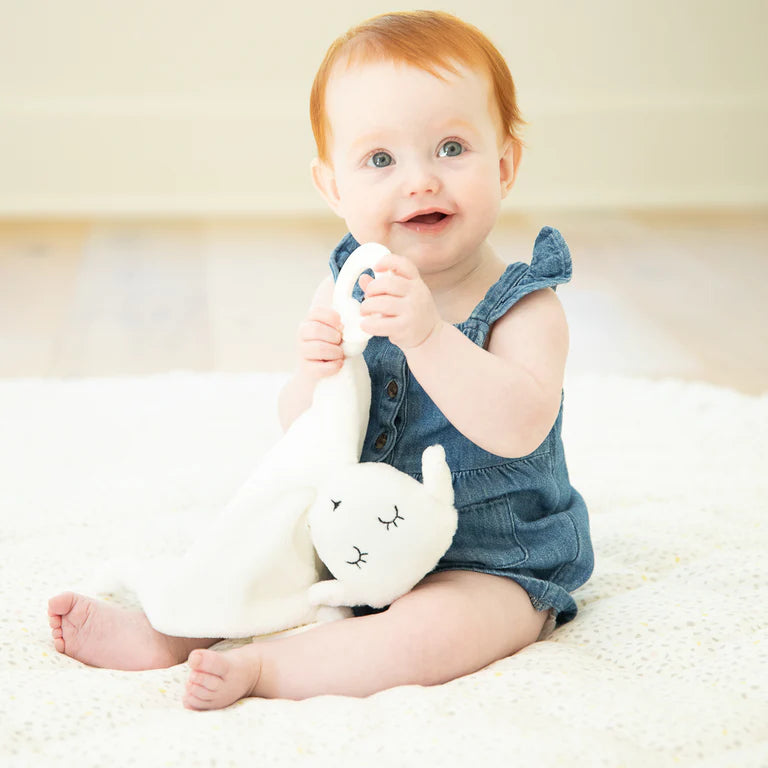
(340, 254)
(550, 266)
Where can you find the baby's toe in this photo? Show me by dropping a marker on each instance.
(60, 605)
(198, 691)
(205, 681)
(197, 698)
(209, 662)
(54, 621)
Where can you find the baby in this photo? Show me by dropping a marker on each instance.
(416, 125)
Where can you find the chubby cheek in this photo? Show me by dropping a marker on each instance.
(367, 215)
(484, 196)
(367, 228)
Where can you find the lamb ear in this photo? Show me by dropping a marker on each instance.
(437, 474)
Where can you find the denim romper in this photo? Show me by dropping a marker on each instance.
(520, 517)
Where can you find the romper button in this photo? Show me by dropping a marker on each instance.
(392, 388)
(381, 441)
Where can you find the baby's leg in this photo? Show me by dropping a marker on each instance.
(451, 624)
(104, 635)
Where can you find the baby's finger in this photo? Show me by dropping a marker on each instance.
(389, 284)
(312, 330)
(364, 281)
(322, 313)
(397, 264)
(385, 305)
(379, 325)
(321, 368)
(328, 367)
(319, 351)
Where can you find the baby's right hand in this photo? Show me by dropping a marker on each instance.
(319, 343)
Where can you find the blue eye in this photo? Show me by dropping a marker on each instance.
(380, 160)
(450, 149)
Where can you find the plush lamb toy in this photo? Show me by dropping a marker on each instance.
(378, 530)
(309, 505)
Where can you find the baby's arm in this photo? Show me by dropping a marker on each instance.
(319, 351)
(506, 398)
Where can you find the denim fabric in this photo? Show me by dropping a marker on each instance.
(518, 518)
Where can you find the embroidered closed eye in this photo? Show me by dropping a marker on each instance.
(335, 504)
(360, 556)
(394, 520)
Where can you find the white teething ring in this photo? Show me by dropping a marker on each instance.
(364, 257)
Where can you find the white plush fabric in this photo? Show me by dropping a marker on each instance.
(253, 569)
(665, 664)
(404, 526)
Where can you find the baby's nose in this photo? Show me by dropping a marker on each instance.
(421, 178)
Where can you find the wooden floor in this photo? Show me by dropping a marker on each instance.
(653, 294)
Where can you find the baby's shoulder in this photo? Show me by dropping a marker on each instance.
(533, 327)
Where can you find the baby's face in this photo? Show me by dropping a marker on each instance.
(418, 163)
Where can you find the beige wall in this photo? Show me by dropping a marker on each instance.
(192, 107)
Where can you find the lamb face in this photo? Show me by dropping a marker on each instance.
(379, 531)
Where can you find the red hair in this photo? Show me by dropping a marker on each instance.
(430, 40)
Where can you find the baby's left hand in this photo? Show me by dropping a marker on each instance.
(398, 304)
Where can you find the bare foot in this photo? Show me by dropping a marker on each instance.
(104, 635)
(220, 679)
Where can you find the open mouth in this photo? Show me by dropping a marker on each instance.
(430, 221)
(428, 218)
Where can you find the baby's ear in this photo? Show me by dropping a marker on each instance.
(324, 180)
(508, 163)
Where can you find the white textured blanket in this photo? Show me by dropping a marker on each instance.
(666, 664)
